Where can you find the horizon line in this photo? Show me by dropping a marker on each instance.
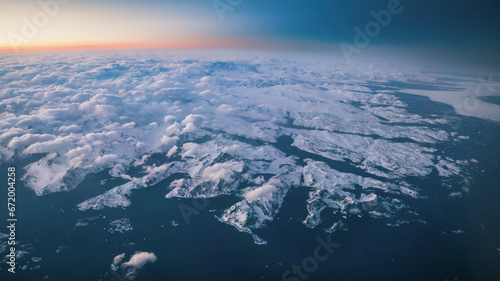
(190, 44)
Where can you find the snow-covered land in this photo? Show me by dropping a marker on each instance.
(218, 121)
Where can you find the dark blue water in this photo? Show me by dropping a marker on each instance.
(490, 99)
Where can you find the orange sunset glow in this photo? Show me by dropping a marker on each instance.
(56, 25)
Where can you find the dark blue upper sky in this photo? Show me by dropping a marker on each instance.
(420, 22)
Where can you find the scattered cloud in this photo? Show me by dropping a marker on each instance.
(265, 190)
(137, 262)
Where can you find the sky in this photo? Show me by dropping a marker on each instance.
(464, 27)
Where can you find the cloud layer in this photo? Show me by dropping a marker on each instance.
(220, 122)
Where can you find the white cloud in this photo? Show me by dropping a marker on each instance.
(265, 190)
(169, 140)
(136, 263)
(220, 171)
(191, 118)
(173, 129)
(29, 139)
(189, 149)
(139, 259)
(69, 129)
(79, 155)
(118, 259)
(168, 118)
(59, 144)
(106, 160)
(129, 125)
(172, 151)
(189, 128)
